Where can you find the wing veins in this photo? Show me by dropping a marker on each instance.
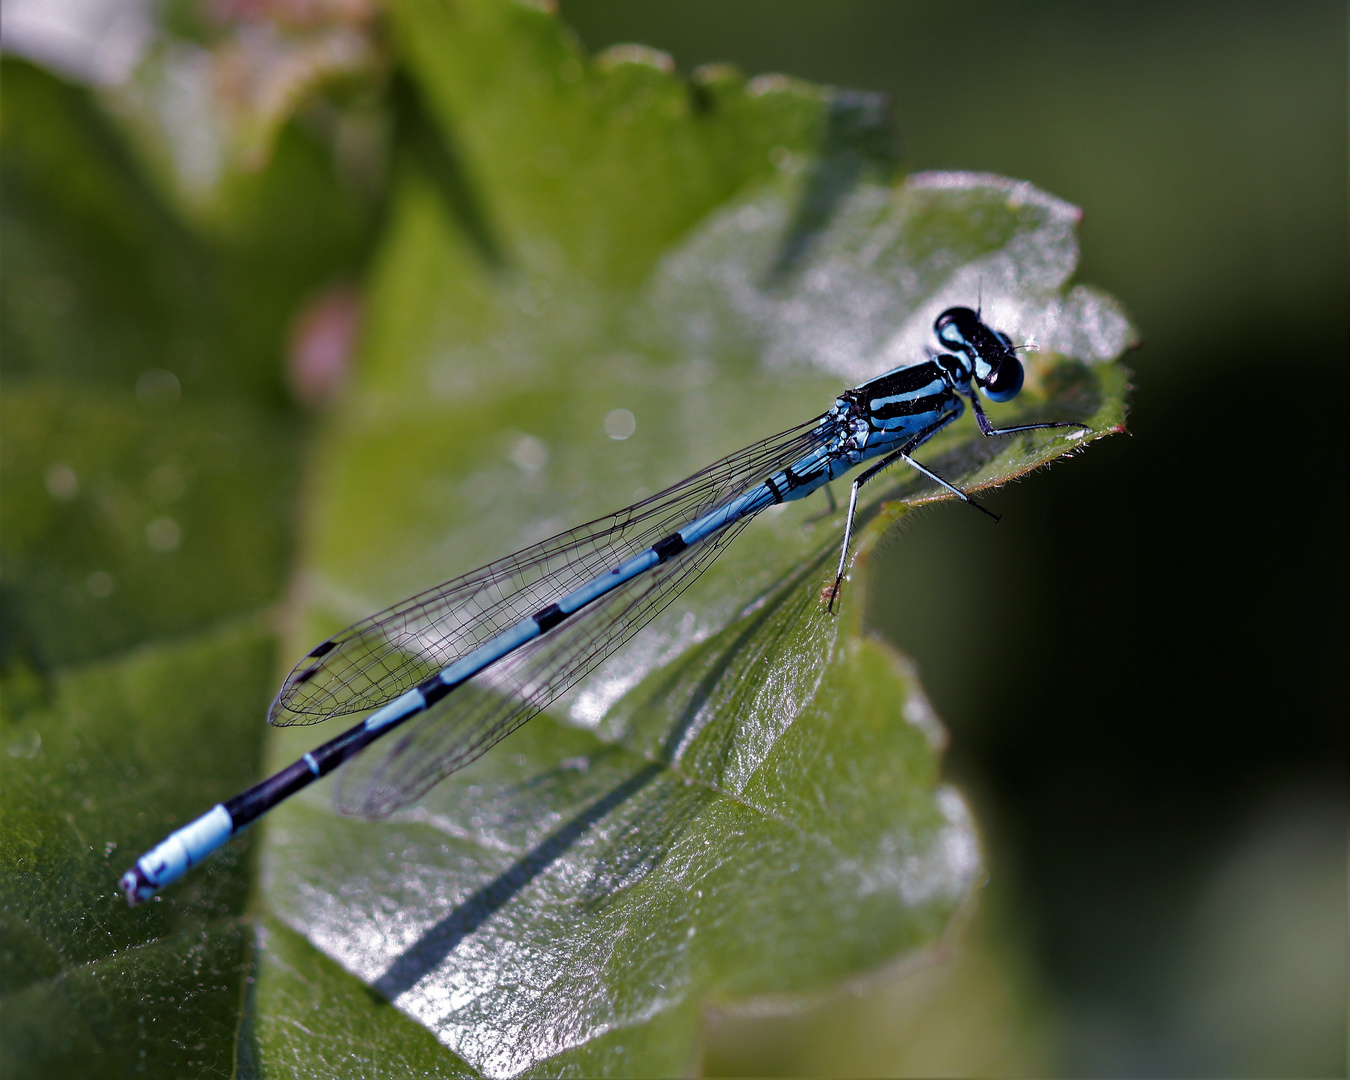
(440, 742)
(380, 657)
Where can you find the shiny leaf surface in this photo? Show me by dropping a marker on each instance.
(746, 800)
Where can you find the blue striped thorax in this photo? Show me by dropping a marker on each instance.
(906, 398)
(898, 405)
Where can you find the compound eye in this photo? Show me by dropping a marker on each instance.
(954, 327)
(1004, 381)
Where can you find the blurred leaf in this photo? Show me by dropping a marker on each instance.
(967, 1006)
(103, 282)
(746, 800)
(148, 469)
(207, 105)
(125, 522)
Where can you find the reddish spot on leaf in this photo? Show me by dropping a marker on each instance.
(322, 341)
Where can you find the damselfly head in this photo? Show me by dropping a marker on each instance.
(990, 353)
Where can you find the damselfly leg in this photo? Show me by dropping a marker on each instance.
(902, 454)
(988, 429)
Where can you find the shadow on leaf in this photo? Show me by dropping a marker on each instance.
(859, 135)
(427, 953)
(641, 840)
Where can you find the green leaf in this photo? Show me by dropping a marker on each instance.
(207, 118)
(746, 800)
(593, 278)
(119, 753)
(566, 885)
(147, 473)
(103, 282)
(125, 523)
(294, 996)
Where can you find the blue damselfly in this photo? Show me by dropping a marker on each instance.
(543, 618)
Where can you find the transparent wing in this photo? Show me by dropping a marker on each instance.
(489, 707)
(377, 659)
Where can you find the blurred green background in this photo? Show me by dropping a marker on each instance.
(1164, 797)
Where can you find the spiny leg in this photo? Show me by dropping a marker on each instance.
(950, 487)
(903, 454)
(848, 535)
(988, 429)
